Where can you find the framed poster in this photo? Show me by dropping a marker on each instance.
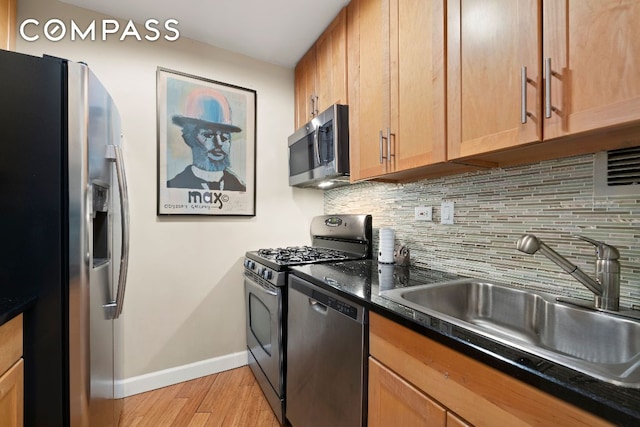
(206, 146)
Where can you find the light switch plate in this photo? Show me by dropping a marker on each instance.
(424, 213)
(446, 213)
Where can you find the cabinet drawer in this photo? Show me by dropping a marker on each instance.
(11, 396)
(467, 387)
(393, 401)
(10, 343)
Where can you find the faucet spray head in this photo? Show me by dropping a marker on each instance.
(528, 244)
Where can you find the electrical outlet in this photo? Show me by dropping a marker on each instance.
(446, 213)
(424, 213)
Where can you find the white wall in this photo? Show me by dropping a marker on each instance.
(184, 299)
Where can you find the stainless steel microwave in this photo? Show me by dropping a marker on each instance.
(319, 150)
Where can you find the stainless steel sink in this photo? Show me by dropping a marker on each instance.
(595, 343)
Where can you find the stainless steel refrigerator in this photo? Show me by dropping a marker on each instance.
(64, 216)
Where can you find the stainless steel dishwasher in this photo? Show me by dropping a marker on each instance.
(326, 377)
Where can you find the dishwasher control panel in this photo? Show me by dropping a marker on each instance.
(327, 299)
(336, 304)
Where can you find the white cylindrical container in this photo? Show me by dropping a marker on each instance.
(385, 276)
(386, 245)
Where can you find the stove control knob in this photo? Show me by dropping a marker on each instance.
(268, 274)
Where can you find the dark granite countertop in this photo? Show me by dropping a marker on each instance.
(359, 282)
(13, 304)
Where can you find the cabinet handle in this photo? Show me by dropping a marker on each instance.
(381, 156)
(312, 107)
(389, 153)
(547, 88)
(523, 95)
(315, 105)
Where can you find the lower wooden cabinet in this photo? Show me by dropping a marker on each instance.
(393, 401)
(12, 396)
(11, 374)
(425, 383)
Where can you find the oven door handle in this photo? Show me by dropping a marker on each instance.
(260, 286)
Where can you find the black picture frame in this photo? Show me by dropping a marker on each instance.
(206, 139)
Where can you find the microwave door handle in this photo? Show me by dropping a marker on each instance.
(316, 137)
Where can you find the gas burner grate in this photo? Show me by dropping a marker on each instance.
(302, 254)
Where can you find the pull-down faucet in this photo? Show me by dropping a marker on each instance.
(606, 287)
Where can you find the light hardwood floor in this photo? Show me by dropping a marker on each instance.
(230, 399)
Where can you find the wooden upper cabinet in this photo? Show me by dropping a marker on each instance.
(305, 88)
(417, 82)
(8, 24)
(593, 49)
(454, 421)
(321, 74)
(396, 85)
(582, 62)
(490, 45)
(367, 36)
(331, 63)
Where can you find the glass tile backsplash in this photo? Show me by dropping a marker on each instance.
(553, 200)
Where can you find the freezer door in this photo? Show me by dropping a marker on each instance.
(94, 199)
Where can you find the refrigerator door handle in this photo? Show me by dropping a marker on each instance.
(114, 154)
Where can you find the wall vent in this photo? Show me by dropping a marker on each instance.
(617, 172)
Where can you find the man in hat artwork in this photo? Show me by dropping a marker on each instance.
(206, 128)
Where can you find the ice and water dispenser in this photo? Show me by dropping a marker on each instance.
(100, 223)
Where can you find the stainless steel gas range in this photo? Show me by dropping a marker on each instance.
(333, 238)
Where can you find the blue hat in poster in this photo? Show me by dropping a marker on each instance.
(207, 108)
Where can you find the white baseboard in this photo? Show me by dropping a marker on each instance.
(171, 376)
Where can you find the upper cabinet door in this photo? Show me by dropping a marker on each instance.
(331, 62)
(592, 50)
(305, 88)
(417, 83)
(321, 74)
(368, 36)
(8, 24)
(494, 75)
(397, 86)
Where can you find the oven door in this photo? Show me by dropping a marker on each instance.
(265, 328)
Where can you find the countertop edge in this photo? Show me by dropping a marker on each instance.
(12, 306)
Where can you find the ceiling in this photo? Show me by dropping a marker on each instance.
(275, 31)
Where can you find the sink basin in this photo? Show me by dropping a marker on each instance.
(602, 345)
